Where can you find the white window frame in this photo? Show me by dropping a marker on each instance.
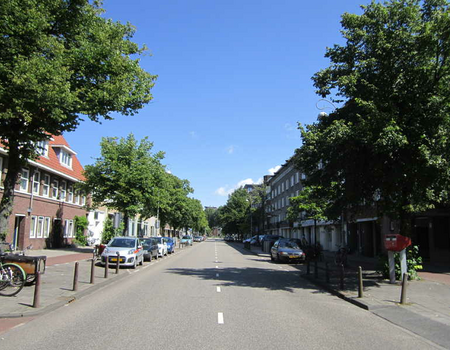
(40, 227)
(33, 224)
(83, 199)
(65, 158)
(47, 227)
(24, 179)
(77, 197)
(46, 186)
(292, 180)
(63, 190)
(1, 171)
(36, 183)
(68, 228)
(42, 148)
(70, 194)
(55, 189)
(297, 177)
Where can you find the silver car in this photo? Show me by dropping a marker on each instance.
(285, 250)
(129, 249)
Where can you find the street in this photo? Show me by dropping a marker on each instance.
(213, 295)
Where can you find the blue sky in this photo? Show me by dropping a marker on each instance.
(234, 79)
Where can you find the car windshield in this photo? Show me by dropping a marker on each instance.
(158, 239)
(147, 242)
(122, 243)
(287, 244)
(186, 237)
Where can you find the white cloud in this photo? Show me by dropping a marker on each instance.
(227, 190)
(273, 170)
(230, 149)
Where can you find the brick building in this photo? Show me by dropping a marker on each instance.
(45, 200)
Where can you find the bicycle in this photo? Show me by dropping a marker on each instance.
(12, 279)
(341, 256)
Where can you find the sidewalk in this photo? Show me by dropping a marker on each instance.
(426, 313)
(57, 282)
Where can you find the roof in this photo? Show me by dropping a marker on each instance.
(53, 162)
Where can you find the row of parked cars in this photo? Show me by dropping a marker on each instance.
(133, 251)
(280, 248)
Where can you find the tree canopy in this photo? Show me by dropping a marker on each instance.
(389, 140)
(60, 62)
(125, 176)
(234, 215)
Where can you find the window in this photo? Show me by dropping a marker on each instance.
(292, 180)
(40, 227)
(46, 186)
(24, 180)
(297, 177)
(70, 194)
(42, 148)
(282, 187)
(36, 182)
(65, 158)
(55, 189)
(303, 176)
(63, 191)
(33, 224)
(83, 200)
(46, 227)
(77, 197)
(68, 229)
(1, 170)
(287, 184)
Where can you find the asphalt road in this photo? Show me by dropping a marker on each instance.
(211, 296)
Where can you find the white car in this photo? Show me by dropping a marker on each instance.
(129, 249)
(162, 246)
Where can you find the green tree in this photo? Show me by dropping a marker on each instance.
(212, 215)
(60, 62)
(81, 224)
(124, 176)
(389, 140)
(109, 231)
(234, 215)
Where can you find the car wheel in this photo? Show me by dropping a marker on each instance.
(271, 257)
(278, 258)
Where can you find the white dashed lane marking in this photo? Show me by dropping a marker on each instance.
(220, 318)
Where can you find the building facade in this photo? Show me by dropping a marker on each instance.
(45, 199)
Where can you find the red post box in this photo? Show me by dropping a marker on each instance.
(396, 242)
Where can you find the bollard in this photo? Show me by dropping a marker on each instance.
(106, 267)
(308, 268)
(117, 263)
(360, 282)
(404, 283)
(92, 272)
(37, 291)
(75, 277)
(327, 273)
(341, 282)
(316, 270)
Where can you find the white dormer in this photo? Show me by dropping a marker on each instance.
(64, 155)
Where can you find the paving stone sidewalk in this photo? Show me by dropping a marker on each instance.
(57, 282)
(427, 308)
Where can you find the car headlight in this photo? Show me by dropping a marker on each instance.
(131, 251)
(105, 250)
(284, 253)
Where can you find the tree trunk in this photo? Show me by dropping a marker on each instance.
(7, 203)
(125, 224)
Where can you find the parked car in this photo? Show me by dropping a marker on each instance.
(198, 239)
(170, 244)
(162, 246)
(228, 238)
(286, 250)
(271, 239)
(186, 240)
(129, 248)
(150, 247)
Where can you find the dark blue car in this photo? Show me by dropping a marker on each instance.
(170, 244)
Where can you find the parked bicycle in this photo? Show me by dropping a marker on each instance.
(12, 279)
(341, 256)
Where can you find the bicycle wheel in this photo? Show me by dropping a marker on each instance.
(12, 279)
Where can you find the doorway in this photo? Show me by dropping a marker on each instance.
(18, 235)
